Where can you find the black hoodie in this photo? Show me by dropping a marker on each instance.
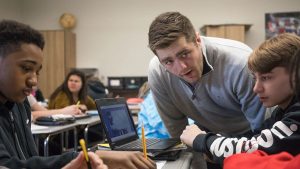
(17, 146)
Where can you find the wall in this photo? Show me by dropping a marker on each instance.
(112, 34)
(11, 9)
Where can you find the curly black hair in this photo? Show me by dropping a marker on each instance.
(13, 34)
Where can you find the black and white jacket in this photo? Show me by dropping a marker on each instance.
(281, 132)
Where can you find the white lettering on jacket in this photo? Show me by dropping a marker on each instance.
(225, 147)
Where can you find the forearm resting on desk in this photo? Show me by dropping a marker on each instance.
(125, 159)
(39, 111)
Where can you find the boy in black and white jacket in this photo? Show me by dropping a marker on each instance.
(270, 64)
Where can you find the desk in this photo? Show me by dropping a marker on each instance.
(88, 122)
(54, 130)
(50, 131)
(184, 162)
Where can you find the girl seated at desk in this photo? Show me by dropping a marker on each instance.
(73, 91)
(38, 110)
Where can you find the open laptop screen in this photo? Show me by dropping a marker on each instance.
(117, 120)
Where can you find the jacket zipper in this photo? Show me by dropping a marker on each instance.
(193, 88)
(16, 137)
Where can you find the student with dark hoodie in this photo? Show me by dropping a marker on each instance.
(21, 60)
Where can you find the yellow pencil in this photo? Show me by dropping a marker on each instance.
(78, 103)
(144, 142)
(83, 147)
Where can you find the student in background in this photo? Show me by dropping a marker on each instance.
(37, 93)
(95, 88)
(21, 60)
(72, 91)
(149, 117)
(270, 65)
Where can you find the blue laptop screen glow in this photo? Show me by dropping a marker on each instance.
(118, 122)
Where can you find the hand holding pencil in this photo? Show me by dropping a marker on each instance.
(82, 107)
(86, 160)
(80, 161)
(83, 147)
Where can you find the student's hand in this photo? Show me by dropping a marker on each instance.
(126, 160)
(80, 163)
(72, 110)
(96, 162)
(83, 108)
(190, 133)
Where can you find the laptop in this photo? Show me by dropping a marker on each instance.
(120, 130)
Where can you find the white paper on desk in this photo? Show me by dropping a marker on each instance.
(160, 164)
(92, 112)
(38, 127)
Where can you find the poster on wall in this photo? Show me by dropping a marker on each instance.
(277, 23)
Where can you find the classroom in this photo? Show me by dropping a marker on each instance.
(113, 56)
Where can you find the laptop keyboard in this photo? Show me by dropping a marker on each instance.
(137, 144)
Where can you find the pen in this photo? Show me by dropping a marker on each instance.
(144, 142)
(83, 147)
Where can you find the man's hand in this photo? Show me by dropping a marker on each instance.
(190, 133)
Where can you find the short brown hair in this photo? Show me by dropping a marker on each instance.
(167, 28)
(295, 73)
(277, 51)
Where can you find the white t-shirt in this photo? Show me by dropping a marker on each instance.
(32, 100)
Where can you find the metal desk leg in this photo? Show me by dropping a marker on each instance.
(86, 132)
(66, 136)
(36, 139)
(46, 146)
(75, 139)
(62, 142)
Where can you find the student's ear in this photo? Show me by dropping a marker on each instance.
(198, 39)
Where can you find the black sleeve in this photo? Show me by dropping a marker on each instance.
(9, 156)
(284, 135)
(39, 96)
(51, 162)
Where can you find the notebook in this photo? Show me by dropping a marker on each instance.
(120, 130)
(81, 116)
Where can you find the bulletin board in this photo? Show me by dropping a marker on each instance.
(276, 23)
